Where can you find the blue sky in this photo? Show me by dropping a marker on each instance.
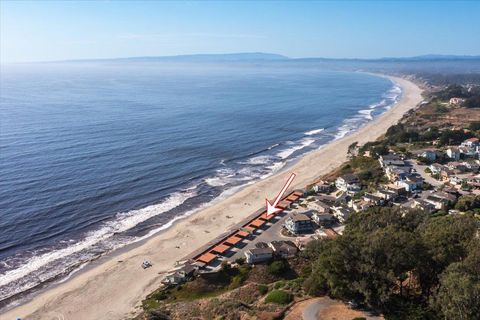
(41, 30)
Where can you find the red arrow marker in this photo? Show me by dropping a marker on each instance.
(272, 207)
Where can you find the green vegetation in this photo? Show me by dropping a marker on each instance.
(203, 287)
(262, 288)
(468, 203)
(279, 297)
(276, 267)
(399, 263)
(367, 169)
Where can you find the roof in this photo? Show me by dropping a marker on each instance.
(283, 204)
(298, 193)
(233, 240)
(257, 251)
(473, 140)
(207, 257)
(249, 228)
(257, 223)
(221, 248)
(292, 197)
(391, 156)
(350, 178)
(283, 245)
(300, 217)
(324, 216)
(242, 234)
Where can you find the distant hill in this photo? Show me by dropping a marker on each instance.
(266, 57)
(227, 57)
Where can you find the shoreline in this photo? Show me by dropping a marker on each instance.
(111, 289)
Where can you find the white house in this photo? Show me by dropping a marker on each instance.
(391, 160)
(471, 143)
(341, 213)
(298, 223)
(436, 168)
(284, 249)
(256, 255)
(453, 153)
(323, 219)
(348, 183)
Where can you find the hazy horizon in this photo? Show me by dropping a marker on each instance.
(74, 30)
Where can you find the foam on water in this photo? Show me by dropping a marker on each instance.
(313, 132)
(123, 222)
(288, 152)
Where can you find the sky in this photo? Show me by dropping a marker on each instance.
(56, 30)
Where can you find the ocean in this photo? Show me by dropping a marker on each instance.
(97, 156)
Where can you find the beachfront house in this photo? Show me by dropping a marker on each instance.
(181, 275)
(298, 223)
(283, 249)
(348, 183)
(257, 255)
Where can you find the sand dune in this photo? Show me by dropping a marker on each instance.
(113, 289)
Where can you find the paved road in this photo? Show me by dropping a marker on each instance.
(421, 171)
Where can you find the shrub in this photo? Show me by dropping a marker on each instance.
(279, 297)
(263, 289)
(276, 267)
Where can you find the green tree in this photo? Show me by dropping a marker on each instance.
(458, 296)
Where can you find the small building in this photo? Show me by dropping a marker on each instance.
(341, 213)
(429, 155)
(360, 205)
(319, 206)
(457, 180)
(322, 187)
(438, 203)
(374, 199)
(348, 183)
(283, 249)
(397, 189)
(391, 159)
(454, 153)
(396, 173)
(471, 143)
(423, 205)
(409, 186)
(455, 101)
(298, 223)
(181, 275)
(257, 255)
(325, 220)
(436, 168)
(387, 195)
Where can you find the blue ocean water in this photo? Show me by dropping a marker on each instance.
(96, 156)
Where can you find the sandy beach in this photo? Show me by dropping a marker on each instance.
(115, 288)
